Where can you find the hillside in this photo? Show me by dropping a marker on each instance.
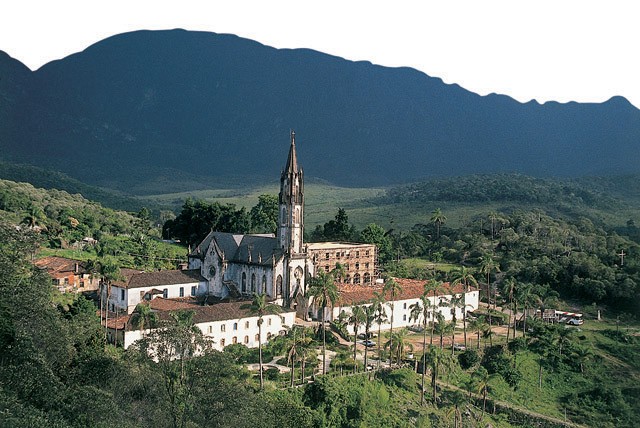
(178, 110)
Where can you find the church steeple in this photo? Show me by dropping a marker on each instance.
(292, 160)
(291, 203)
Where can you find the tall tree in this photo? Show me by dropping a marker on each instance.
(144, 318)
(462, 275)
(438, 218)
(324, 291)
(422, 308)
(380, 317)
(433, 286)
(260, 307)
(393, 289)
(356, 319)
(264, 215)
(399, 343)
(369, 314)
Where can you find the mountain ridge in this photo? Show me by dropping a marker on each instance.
(139, 105)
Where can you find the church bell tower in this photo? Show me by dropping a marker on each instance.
(291, 204)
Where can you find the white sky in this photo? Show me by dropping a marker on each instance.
(563, 50)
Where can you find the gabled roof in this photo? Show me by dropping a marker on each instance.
(54, 264)
(220, 311)
(411, 289)
(138, 279)
(238, 248)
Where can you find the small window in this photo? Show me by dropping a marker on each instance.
(210, 329)
(181, 291)
(282, 320)
(235, 326)
(121, 294)
(66, 281)
(337, 255)
(165, 293)
(246, 324)
(404, 306)
(367, 252)
(326, 256)
(222, 342)
(193, 290)
(223, 328)
(326, 268)
(269, 321)
(246, 340)
(404, 317)
(357, 254)
(257, 339)
(234, 340)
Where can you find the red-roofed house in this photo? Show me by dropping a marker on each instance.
(68, 275)
(225, 323)
(139, 286)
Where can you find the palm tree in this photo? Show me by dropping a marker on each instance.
(478, 325)
(441, 327)
(488, 265)
(380, 317)
(434, 359)
(259, 307)
(422, 309)
(581, 355)
(398, 343)
(463, 276)
(144, 318)
(508, 288)
(109, 272)
(295, 349)
(393, 288)
(324, 291)
(457, 399)
(368, 318)
(356, 318)
(433, 286)
(487, 333)
(482, 378)
(438, 218)
(456, 301)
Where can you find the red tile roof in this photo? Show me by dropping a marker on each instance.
(139, 279)
(411, 289)
(54, 264)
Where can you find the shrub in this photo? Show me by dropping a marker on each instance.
(468, 358)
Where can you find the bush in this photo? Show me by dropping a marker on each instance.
(402, 378)
(468, 358)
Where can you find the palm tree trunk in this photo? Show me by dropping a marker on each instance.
(260, 352)
(464, 325)
(324, 344)
(379, 336)
(355, 337)
(424, 360)
(391, 332)
(293, 374)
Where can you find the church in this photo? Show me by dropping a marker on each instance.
(237, 265)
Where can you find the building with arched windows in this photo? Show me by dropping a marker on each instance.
(237, 265)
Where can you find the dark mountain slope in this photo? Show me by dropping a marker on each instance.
(140, 104)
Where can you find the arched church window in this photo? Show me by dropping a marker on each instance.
(356, 278)
(264, 284)
(244, 282)
(279, 286)
(347, 279)
(253, 282)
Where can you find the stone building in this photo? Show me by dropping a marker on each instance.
(359, 261)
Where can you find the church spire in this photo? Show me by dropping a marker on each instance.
(292, 160)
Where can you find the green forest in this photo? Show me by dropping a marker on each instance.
(57, 370)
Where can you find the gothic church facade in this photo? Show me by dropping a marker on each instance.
(236, 265)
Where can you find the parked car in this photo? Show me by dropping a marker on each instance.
(457, 347)
(575, 321)
(368, 343)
